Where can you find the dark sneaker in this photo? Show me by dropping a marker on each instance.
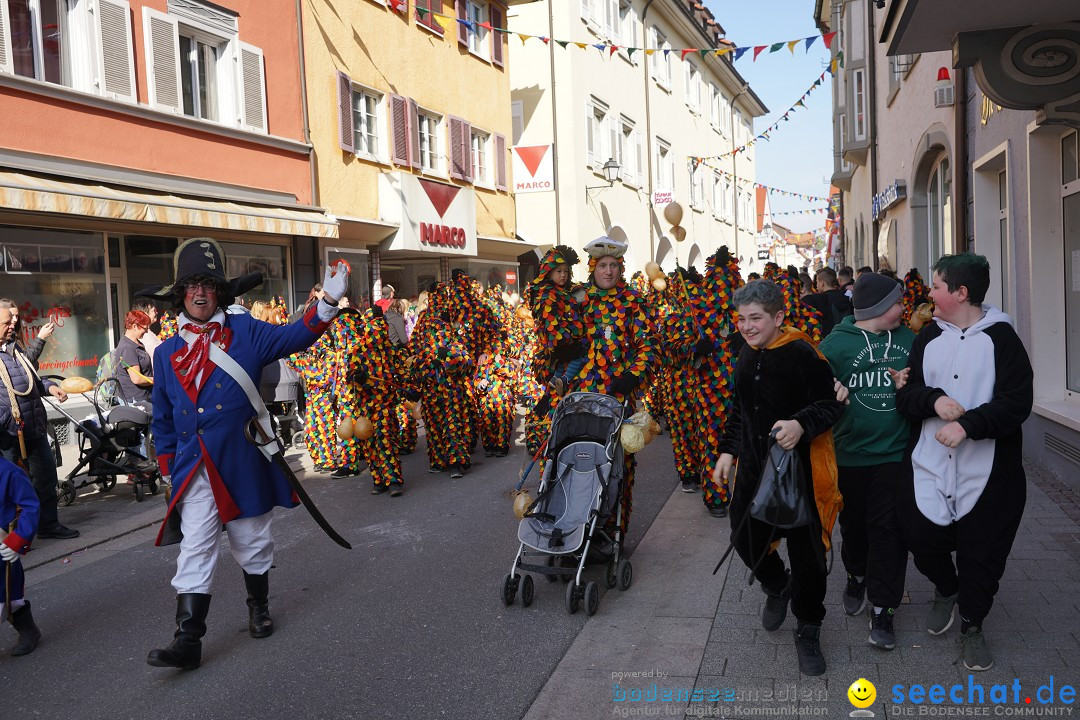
(975, 650)
(688, 485)
(343, 473)
(881, 629)
(940, 617)
(489, 453)
(772, 617)
(719, 511)
(808, 647)
(379, 489)
(59, 532)
(396, 490)
(434, 469)
(455, 472)
(854, 596)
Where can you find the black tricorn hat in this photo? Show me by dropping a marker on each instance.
(202, 256)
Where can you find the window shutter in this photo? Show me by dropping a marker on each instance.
(399, 123)
(346, 130)
(162, 34)
(500, 161)
(497, 37)
(412, 124)
(253, 88)
(456, 156)
(466, 151)
(462, 27)
(640, 161)
(5, 39)
(590, 137)
(116, 64)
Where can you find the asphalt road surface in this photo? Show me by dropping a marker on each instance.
(409, 624)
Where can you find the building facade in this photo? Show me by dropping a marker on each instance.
(410, 124)
(129, 126)
(641, 104)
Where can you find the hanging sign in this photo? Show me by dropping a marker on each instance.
(534, 169)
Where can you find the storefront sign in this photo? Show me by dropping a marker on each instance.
(762, 254)
(534, 168)
(511, 277)
(892, 194)
(663, 197)
(434, 217)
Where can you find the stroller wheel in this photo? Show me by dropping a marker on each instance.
(611, 576)
(140, 494)
(66, 496)
(107, 483)
(152, 483)
(625, 573)
(592, 598)
(509, 590)
(571, 598)
(527, 591)
(297, 439)
(551, 564)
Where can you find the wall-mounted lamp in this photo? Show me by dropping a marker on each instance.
(611, 174)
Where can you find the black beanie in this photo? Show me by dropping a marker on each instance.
(873, 294)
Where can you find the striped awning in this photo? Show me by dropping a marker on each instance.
(40, 194)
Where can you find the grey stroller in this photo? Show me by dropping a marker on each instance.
(579, 490)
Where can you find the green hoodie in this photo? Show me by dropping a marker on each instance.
(871, 432)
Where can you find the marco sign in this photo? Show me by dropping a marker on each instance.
(534, 168)
(434, 217)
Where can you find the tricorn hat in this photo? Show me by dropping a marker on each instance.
(202, 256)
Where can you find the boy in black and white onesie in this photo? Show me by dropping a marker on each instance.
(968, 394)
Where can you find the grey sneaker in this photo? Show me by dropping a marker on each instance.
(854, 596)
(976, 651)
(940, 617)
(688, 485)
(881, 629)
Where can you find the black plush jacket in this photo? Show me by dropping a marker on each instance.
(34, 417)
(790, 382)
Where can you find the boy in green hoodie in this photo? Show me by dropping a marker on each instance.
(866, 352)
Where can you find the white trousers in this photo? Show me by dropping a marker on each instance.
(250, 539)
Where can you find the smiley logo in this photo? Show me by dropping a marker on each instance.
(862, 693)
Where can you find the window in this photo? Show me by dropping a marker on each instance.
(38, 46)
(740, 127)
(628, 152)
(631, 27)
(367, 115)
(692, 85)
(428, 132)
(517, 119)
(1070, 207)
(717, 194)
(665, 166)
(198, 77)
(661, 62)
(714, 106)
(597, 142)
(612, 20)
(845, 166)
(939, 211)
(725, 115)
(476, 13)
(858, 83)
(1003, 237)
(695, 197)
(725, 201)
(426, 19)
(481, 164)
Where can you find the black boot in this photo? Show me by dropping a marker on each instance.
(185, 652)
(29, 635)
(772, 617)
(259, 623)
(808, 646)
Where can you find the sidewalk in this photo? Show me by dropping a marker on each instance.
(679, 628)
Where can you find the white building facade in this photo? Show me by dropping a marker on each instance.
(649, 113)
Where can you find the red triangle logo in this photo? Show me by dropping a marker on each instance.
(531, 156)
(440, 195)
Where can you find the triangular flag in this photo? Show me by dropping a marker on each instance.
(798, 104)
(435, 19)
(684, 53)
(758, 50)
(630, 52)
(523, 37)
(600, 47)
(724, 51)
(649, 52)
(666, 51)
(545, 40)
(775, 47)
(828, 39)
(810, 41)
(563, 43)
(612, 50)
(791, 46)
(422, 12)
(739, 52)
(705, 52)
(486, 25)
(581, 45)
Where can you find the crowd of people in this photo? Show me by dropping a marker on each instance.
(905, 439)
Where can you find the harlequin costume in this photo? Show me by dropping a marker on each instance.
(915, 291)
(317, 369)
(377, 372)
(620, 349)
(18, 525)
(799, 315)
(714, 311)
(657, 396)
(200, 414)
(344, 335)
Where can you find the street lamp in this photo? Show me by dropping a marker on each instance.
(611, 174)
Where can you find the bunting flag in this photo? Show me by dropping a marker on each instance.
(765, 134)
(819, 211)
(610, 49)
(771, 190)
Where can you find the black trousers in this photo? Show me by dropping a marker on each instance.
(981, 540)
(41, 466)
(874, 545)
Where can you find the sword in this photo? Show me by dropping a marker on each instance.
(301, 493)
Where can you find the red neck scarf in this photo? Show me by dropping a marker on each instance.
(194, 361)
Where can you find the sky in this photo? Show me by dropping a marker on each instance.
(798, 157)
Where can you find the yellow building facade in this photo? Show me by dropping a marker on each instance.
(409, 114)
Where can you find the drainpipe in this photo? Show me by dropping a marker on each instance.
(871, 71)
(960, 162)
(304, 102)
(648, 135)
(554, 126)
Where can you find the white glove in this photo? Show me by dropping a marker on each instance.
(335, 282)
(7, 553)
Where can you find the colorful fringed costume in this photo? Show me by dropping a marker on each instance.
(344, 335)
(799, 315)
(915, 291)
(316, 370)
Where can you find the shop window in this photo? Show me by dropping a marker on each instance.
(59, 276)
(1070, 212)
(939, 211)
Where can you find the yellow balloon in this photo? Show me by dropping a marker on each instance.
(363, 429)
(862, 693)
(660, 284)
(679, 233)
(652, 269)
(673, 213)
(345, 428)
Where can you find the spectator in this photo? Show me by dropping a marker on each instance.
(387, 298)
(149, 340)
(829, 300)
(30, 444)
(753, 276)
(970, 381)
(863, 270)
(782, 384)
(845, 276)
(131, 364)
(888, 273)
(806, 285)
(314, 295)
(395, 320)
(19, 520)
(35, 347)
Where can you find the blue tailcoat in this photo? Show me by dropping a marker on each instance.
(19, 518)
(209, 428)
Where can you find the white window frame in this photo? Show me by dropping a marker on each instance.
(692, 86)
(628, 152)
(661, 66)
(381, 154)
(629, 38)
(517, 120)
(481, 157)
(476, 13)
(858, 101)
(612, 21)
(665, 166)
(597, 131)
(431, 153)
(845, 166)
(714, 106)
(37, 41)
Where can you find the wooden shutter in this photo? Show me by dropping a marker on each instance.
(399, 123)
(252, 88)
(346, 130)
(462, 27)
(116, 64)
(496, 21)
(500, 161)
(457, 149)
(466, 150)
(162, 37)
(412, 126)
(5, 39)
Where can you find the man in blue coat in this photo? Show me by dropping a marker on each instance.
(200, 412)
(18, 523)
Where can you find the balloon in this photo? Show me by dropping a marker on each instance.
(679, 232)
(363, 429)
(652, 270)
(660, 283)
(673, 213)
(345, 429)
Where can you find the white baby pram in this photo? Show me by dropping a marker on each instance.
(579, 490)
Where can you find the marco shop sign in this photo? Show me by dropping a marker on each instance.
(433, 217)
(534, 168)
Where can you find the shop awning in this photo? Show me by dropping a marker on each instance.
(39, 194)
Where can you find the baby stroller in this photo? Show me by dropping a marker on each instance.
(579, 490)
(111, 443)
